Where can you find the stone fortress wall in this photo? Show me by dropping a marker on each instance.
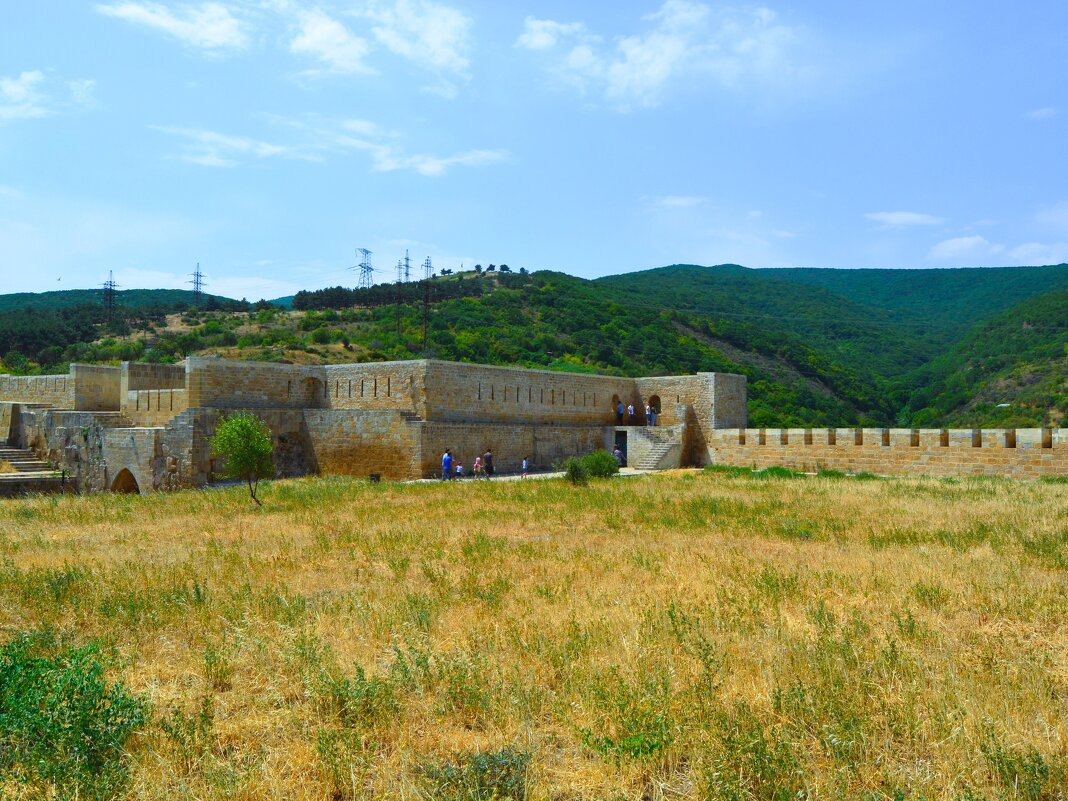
(150, 426)
(140, 427)
(1019, 452)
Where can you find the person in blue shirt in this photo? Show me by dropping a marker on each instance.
(446, 465)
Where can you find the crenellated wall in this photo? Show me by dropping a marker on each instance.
(53, 390)
(1019, 453)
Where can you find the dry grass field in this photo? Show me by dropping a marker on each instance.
(709, 635)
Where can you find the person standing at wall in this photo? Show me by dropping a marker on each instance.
(526, 466)
(618, 455)
(459, 469)
(446, 465)
(630, 414)
(487, 462)
(648, 414)
(652, 415)
(619, 413)
(476, 468)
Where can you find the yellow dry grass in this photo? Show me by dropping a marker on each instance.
(6, 467)
(685, 636)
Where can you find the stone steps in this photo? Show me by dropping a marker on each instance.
(24, 461)
(652, 457)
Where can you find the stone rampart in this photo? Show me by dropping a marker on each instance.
(474, 393)
(1019, 453)
(134, 375)
(375, 386)
(96, 388)
(50, 390)
(154, 407)
(544, 444)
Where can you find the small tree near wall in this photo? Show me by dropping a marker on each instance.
(244, 441)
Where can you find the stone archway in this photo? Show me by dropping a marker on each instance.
(654, 407)
(125, 482)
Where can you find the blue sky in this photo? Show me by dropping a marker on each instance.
(268, 139)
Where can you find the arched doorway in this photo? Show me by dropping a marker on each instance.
(313, 391)
(125, 482)
(654, 408)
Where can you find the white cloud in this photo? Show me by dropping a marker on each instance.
(1055, 216)
(212, 149)
(316, 140)
(678, 201)
(329, 42)
(1037, 253)
(391, 158)
(902, 219)
(543, 34)
(1044, 113)
(963, 248)
(21, 97)
(429, 34)
(209, 27)
(30, 95)
(685, 42)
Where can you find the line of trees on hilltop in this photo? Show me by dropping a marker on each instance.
(454, 288)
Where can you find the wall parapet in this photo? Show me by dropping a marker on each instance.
(1018, 452)
(54, 390)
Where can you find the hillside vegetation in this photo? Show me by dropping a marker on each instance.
(694, 636)
(819, 347)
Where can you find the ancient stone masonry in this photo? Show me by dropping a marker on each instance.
(1015, 452)
(142, 427)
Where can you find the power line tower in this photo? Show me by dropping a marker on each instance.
(198, 285)
(428, 271)
(407, 267)
(400, 279)
(109, 297)
(366, 278)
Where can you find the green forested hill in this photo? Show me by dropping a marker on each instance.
(1010, 370)
(942, 303)
(819, 347)
(128, 298)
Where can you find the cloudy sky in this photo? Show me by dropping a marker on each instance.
(268, 139)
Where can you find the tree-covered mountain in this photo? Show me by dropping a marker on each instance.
(819, 347)
(1010, 370)
(169, 299)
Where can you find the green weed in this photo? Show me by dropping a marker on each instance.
(481, 776)
(62, 725)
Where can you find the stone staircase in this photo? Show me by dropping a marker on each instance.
(23, 460)
(660, 442)
(30, 475)
(651, 459)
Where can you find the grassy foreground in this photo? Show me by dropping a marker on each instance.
(686, 636)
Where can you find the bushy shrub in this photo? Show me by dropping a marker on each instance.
(62, 726)
(600, 464)
(575, 471)
(484, 776)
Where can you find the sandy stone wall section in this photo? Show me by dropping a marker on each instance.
(52, 390)
(96, 388)
(1019, 453)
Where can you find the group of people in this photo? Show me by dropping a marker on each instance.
(650, 414)
(482, 467)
